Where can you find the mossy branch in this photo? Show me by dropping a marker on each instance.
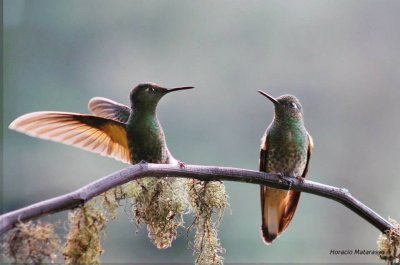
(205, 173)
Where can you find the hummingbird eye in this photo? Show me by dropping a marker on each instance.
(293, 105)
(150, 89)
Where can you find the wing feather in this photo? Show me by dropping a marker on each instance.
(268, 237)
(96, 134)
(109, 109)
(286, 207)
(293, 197)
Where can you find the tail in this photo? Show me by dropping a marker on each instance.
(277, 208)
(267, 236)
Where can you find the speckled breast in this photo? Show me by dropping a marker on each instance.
(288, 155)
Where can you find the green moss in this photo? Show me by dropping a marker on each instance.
(83, 244)
(109, 202)
(389, 244)
(208, 201)
(160, 204)
(30, 243)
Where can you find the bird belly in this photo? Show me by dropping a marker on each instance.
(288, 160)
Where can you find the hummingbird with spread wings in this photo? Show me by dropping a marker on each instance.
(129, 134)
(285, 150)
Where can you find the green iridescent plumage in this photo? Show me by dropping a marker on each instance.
(285, 150)
(130, 134)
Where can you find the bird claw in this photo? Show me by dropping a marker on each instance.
(181, 164)
(282, 179)
(280, 176)
(300, 179)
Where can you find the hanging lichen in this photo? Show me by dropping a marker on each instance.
(208, 201)
(160, 204)
(109, 202)
(29, 243)
(389, 244)
(86, 226)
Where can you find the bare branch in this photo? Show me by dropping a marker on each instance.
(207, 173)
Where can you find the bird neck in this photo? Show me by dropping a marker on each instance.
(287, 133)
(144, 119)
(288, 123)
(290, 129)
(144, 108)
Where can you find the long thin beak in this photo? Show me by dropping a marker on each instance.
(179, 88)
(269, 97)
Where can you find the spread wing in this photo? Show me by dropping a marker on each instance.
(109, 109)
(99, 135)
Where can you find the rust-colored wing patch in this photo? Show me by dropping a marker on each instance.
(267, 235)
(99, 135)
(309, 152)
(278, 207)
(291, 202)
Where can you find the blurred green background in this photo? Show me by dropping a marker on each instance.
(340, 58)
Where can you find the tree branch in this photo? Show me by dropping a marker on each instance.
(207, 173)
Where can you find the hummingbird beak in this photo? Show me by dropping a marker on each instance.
(269, 97)
(179, 88)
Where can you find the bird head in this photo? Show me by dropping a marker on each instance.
(287, 107)
(147, 95)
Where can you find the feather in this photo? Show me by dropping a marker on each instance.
(109, 109)
(99, 135)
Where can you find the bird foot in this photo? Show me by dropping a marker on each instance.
(281, 177)
(283, 180)
(181, 164)
(300, 179)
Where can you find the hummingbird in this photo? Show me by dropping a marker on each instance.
(286, 148)
(129, 134)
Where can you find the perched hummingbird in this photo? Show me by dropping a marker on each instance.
(129, 134)
(285, 150)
